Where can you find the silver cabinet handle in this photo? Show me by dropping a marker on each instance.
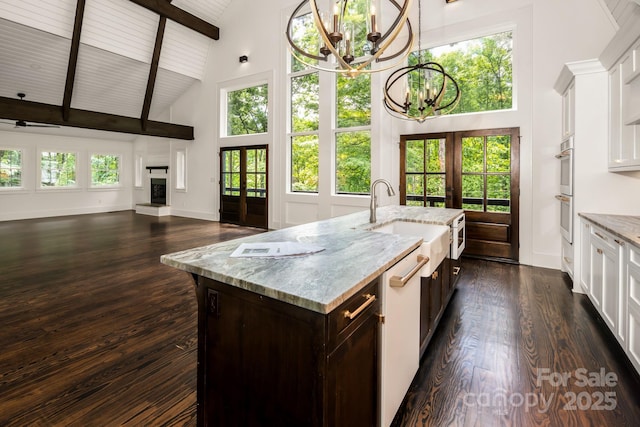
(600, 236)
(399, 282)
(370, 299)
(563, 154)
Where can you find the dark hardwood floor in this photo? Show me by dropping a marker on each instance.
(94, 331)
(496, 358)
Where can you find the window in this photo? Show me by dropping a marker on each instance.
(181, 169)
(353, 136)
(352, 131)
(486, 173)
(138, 170)
(105, 170)
(57, 170)
(425, 172)
(10, 168)
(247, 110)
(482, 67)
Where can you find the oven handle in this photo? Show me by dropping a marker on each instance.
(563, 154)
(563, 199)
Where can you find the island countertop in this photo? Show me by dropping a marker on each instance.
(352, 257)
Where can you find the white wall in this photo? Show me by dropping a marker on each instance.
(34, 202)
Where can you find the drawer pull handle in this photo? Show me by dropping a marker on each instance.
(370, 299)
(620, 242)
(456, 271)
(399, 282)
(600, 236)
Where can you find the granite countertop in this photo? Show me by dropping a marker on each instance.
(352, 257)
(624, 226)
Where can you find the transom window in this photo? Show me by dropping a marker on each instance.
(247, 110)
(482, 67)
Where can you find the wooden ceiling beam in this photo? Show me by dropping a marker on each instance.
(153, 72)
(15, 109)
(73, 59)
(169, 11)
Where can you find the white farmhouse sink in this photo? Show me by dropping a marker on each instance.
(436, 240)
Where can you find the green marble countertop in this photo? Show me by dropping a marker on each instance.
(352, 257)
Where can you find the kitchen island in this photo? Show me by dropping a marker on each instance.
(295, 340)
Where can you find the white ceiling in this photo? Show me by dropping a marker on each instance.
(116, 47)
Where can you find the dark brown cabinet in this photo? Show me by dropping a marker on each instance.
(435, 293)
(266, 362)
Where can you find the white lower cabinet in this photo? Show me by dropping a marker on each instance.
(611, 277)
(605, 276)
(633, 306)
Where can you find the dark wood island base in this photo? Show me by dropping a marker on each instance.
(264, 362)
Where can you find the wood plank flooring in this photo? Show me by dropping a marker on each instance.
(494, 357)
(94, 331)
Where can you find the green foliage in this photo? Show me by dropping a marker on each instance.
(353, 99)
(353, 162)
(305, 99)
(10, 168)
(57, 169)
(105, 169)
(304, 163)
(247, 110)
(483, 70)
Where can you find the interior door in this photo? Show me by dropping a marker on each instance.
(477, 171)
(243, 185)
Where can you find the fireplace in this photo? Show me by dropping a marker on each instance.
(158, 191)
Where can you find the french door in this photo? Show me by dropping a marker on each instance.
(477, 171)
(243, 185)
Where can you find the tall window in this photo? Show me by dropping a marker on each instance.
(353, 134)
(57, 169)
(482, 67)
(10, 168)
(105, 170)
(247, 110)
(305, 118)
(352, 130)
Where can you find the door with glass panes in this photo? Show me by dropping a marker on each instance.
(477, 171)
(243, 185)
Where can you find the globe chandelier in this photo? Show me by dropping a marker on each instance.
(418, 92)
(347, 35)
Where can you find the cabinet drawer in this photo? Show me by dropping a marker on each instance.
(351, 313)
(606, 239)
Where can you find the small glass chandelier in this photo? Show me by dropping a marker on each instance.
(418, 92)
(344, 32)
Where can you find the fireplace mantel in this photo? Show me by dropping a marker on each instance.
(150, 168)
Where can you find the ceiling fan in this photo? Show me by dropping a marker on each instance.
(24, 124)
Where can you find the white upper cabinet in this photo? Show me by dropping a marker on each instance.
(622, 59)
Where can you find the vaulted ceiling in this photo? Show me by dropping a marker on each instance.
(120, 44)
(114, 85)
